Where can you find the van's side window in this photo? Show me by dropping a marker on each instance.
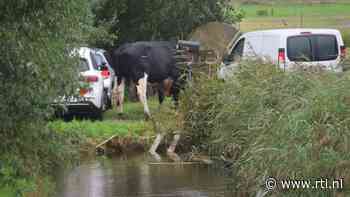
(312, 47)
(299, 48)
(237, 51)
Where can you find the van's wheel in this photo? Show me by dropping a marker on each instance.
(68, 117)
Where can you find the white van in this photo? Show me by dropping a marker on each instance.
(288, 48)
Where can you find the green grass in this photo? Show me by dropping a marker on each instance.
(6, 192)
(130, 123)
(132, 111)
(265, 2)
(101, 130)
(292, 10)
(289, 16)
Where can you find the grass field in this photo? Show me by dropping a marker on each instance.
(334, 15)
(262, 2)
(130, 123)
(290, 10)
(5, 192)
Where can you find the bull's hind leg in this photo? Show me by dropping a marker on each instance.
(120, 95)
(160, 93)
(142, 94)
(175, 90)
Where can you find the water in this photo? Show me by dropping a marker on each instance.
(140, 176)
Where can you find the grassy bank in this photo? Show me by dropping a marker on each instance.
(131, 123)
(291, 125)
(102, 130)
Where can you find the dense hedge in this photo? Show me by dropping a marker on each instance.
(36, 37)
(273, 123)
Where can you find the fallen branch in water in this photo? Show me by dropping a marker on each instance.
(100, 147)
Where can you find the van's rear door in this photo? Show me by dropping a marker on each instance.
(314, 50)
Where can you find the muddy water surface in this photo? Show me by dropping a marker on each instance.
(140, 176)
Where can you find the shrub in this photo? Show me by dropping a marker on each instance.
(199, 107)
(36, 37)
(291, 125)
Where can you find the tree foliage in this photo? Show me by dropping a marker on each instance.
(160, 19)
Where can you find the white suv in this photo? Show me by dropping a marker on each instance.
(107, 73)
(91, 95)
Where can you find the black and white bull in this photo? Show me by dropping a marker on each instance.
(143, 62)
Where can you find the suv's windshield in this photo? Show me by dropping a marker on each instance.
(83, 65)
(309, 48)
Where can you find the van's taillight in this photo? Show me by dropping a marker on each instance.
(105, 73)
(91, 78)
(281, 56)
(343, 52)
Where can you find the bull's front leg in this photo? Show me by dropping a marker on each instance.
(142, 94)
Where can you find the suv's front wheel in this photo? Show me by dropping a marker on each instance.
(98, 115)
(105, 101)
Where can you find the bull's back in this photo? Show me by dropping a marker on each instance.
(154, 58)
(162, 63)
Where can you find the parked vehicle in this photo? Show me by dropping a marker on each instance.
(90, 98)
(108, 75)
(288, 48)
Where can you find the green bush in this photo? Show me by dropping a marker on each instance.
(36, 37)
(199, 107)
(272, 123)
